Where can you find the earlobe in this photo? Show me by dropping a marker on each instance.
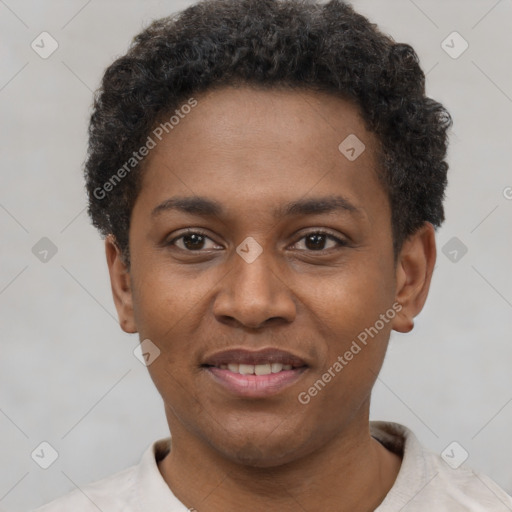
(120, 284)
(413, 276)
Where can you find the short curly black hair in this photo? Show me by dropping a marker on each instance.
(269, 43)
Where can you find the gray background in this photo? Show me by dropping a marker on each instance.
(67, 372)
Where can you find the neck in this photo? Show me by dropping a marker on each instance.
(353, 472)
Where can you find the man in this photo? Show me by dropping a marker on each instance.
(268, 176)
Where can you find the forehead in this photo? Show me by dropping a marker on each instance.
(256, 146)
(273, 117)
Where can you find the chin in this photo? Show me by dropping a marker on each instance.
(258, 451)
(255, 456)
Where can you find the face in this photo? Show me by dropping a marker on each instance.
(259, 254)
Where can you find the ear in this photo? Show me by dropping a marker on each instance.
(414, 270)
(120, 283)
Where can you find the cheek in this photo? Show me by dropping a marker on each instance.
(170, 309)
(354, 313)
(163, 299)
(352, 299)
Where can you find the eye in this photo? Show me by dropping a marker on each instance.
(316, 240)
(195, 241)
(191, 241)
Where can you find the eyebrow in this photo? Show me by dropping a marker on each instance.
(205, 207)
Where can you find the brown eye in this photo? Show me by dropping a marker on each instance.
(191, 241)
(316, 241)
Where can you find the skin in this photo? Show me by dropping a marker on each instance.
(253, 150)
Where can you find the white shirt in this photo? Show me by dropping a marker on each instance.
(425, 483)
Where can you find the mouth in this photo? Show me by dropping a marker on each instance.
(254, 374)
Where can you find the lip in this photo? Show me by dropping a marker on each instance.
(254, 386)
(244, 356)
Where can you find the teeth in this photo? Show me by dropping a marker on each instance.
(276, 367)
(256, 369)
(262, 369)
(246, 369)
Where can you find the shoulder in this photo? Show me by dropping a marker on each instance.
(124, 491)
(430, 481)
(113, 493)
(460, 485)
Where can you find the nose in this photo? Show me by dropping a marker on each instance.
(254, 294)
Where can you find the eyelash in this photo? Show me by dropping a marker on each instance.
(339, 241)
